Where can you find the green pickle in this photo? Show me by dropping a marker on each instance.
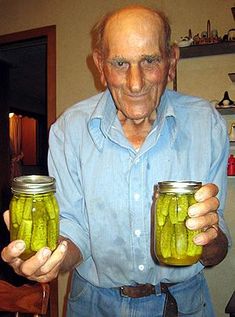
(173, 241)
(34, 213)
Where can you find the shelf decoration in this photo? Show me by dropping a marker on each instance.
(207, 43)
(226, 102)
(232, 132)
(231, 166)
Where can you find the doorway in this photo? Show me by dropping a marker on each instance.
(31, 96)
(37, 48)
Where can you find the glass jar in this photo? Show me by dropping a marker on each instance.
(173, 241)
(34, 213)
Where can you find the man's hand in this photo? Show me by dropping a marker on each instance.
(43, 267)
(204, 216)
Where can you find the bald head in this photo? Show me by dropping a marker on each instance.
(129, 18)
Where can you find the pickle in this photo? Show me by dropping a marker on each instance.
(182, 207)
(173, 246)
(16, 211)
(24, 232)
(173, 210)
(55, 204)
(51, 212)
(159, 215)
(39, 235)
(193, 249)
(39, 210)
(13, 207)
(181, 239)
(165, 204)
(14, 231)
(191, 200)
(19, 209)
(28, 205)
(158, 231)
(52, 234)
(166, 235)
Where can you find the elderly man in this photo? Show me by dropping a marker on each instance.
(106, 154)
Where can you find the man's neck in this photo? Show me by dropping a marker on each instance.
(136, 131)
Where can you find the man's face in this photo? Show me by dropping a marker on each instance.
(133, 66)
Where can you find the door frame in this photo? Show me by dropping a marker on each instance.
(50, 33)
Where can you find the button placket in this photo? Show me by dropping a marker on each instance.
(137, 213)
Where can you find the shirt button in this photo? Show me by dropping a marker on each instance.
(137, 161)
(136, 196)
(137, 232)
(141, 267)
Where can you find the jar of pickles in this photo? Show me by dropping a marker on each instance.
(173, 241)
(34, 213)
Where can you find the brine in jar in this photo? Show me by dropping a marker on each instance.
(173, 241)
(34, 213)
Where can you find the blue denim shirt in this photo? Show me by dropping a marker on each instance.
(105, 186)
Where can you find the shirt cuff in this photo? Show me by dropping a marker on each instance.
(71, 230)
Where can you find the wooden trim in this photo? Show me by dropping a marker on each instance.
(53, 307)
(50, 33)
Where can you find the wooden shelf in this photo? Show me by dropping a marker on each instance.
(232, 77)
(228, 110)
(207, 49)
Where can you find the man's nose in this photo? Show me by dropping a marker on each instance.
(135, 78)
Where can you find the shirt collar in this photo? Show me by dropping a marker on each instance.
(102, 119)
(165, 116)
(104, 115)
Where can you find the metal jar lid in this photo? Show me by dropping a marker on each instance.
(178, 187)
(33, 184)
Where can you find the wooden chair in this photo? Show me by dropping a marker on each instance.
(28, 298)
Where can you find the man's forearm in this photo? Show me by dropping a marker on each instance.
(73, 256)
(214, 252)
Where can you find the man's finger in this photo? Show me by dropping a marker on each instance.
(6, 217)
(13, 251)
(206, 191)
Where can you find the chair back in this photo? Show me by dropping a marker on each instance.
(28, 298)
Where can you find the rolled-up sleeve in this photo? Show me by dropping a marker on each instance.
(218, 174)
(63, 165)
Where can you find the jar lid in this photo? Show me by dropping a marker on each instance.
(33, 184)
(178, 187)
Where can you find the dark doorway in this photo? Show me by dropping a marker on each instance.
(27, 103)
(30, 97)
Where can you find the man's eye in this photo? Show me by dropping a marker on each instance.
(151, 60)
(120, 64)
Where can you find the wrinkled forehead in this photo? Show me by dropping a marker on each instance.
(130, 25)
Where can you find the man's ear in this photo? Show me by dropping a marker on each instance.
(175, 55)
(99, 62)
